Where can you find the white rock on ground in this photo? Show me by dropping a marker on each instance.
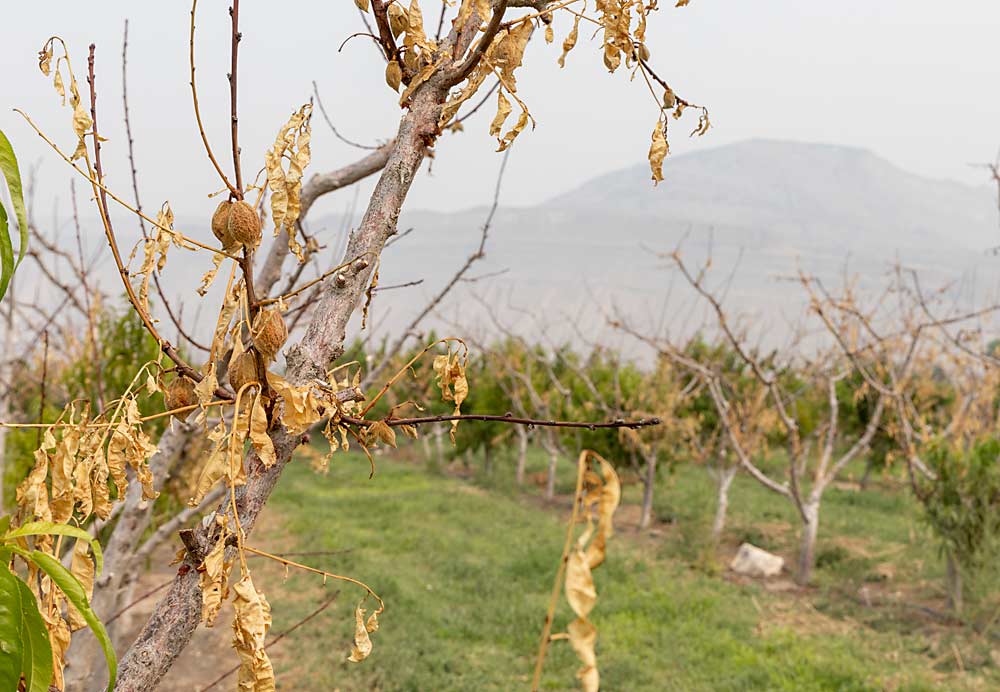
(756, 562)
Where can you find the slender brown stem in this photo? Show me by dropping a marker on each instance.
(197, 110)
(99, 193)
(234, 13)
(507, 418)
(550, 614)
(45, 377)
(135, 193)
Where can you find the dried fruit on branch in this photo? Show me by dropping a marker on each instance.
(242, 370)
(269, 332)
(180, 394)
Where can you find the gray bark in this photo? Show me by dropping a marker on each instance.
(176, 616)
(807, 547)
(318, 185)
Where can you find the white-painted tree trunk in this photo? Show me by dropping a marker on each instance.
(724, 481)
(550, 481)
(807, 547)
(522, 453)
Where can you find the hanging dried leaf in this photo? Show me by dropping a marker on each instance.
(452, 382)
(258, 433)
(81, 567)
(362, 642)
(503, 110)
(580, 591)
(508, 139)
(570, 41)
(583, 638)
(291, 144)
(658, 152)
(212, 580)
(209, 276)
(251, 622)
(397, 19)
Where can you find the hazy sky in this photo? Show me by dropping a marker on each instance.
(913, 80)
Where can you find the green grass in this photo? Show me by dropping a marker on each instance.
(466, 573)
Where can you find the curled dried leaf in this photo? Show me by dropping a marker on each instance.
(658, 151)
(570, 41)
(258, 433)
(362, 642)
(503, 110)
(251, 622)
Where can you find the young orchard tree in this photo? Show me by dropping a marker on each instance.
(802, 400)
(266, 416)
(935, 368)
(753, 418)
(661, 393)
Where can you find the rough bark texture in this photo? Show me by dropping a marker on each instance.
(319, 185)
(176, 616)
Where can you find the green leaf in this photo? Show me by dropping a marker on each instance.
(38, 650)
(6, 252)
(73, 590)
(4, 523)
(24, 641)
(10, 172)
(42, 528)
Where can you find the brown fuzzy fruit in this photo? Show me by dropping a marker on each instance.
(242, 370)
(220, 223)
(269, 332)
(180, 393)
(244, 224)
(236, 223)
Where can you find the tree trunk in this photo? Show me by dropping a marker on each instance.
(522, 453)
(648, 482)
(954, 575)
(869, 467)
(177, 614)
(550, 482)
(807, 549)
(724, 480)
(425, 442)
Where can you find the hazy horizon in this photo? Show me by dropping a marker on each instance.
(854, 74)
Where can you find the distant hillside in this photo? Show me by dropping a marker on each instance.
(810, 196)
(763, 207)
